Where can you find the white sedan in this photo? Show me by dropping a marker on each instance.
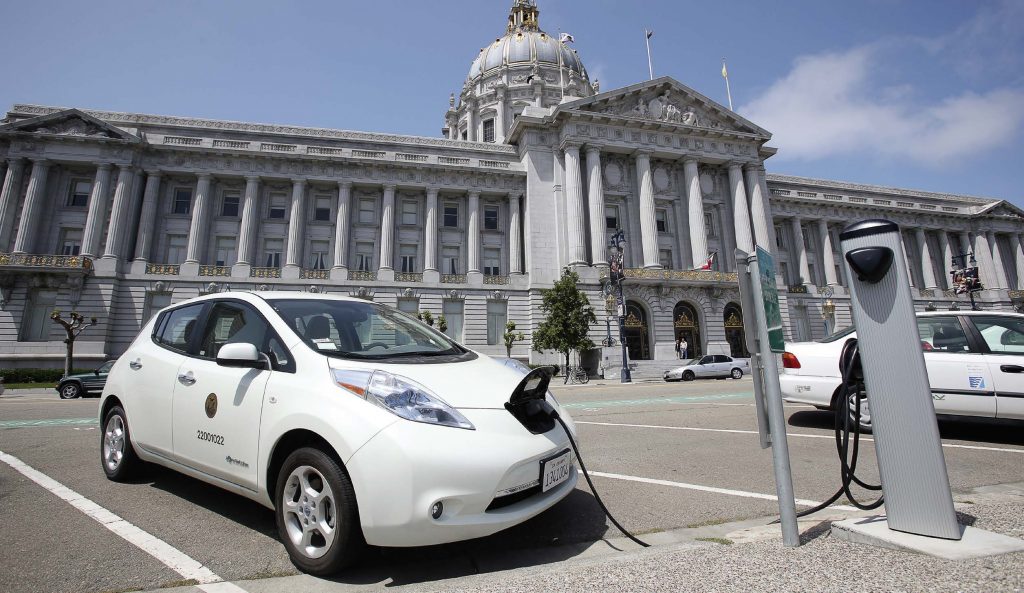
(354, 422)
(714, 366)
(975, 362)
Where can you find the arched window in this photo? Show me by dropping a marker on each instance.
(636, 332)
(734, 333)
(686, 326)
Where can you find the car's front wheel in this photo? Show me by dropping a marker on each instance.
(70, 390)
(688, 376)
(737, 374)
(116, 452)
(316, 513)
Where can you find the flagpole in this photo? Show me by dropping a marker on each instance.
(728, 91)
(647, 40)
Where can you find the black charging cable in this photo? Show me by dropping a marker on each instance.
(572, 441)
(851, 387)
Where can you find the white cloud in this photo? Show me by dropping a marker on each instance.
(830, 105)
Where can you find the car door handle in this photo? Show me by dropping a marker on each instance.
(187, 379)
(1012, 368)
(135, 364)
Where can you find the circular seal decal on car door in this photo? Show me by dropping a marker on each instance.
(211, 405)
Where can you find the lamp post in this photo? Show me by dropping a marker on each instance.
(965, 277)
(610, 302)
(828, 308)
(616, 248)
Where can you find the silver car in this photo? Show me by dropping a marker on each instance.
(716, 366)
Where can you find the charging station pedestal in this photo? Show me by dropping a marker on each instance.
(910, 460)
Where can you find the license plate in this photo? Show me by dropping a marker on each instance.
(555, 470)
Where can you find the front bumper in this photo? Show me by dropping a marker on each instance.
(406, 468)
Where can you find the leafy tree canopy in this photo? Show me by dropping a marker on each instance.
(568, 317)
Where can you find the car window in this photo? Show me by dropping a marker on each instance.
(722, 358)
(177, 328)
(238, 323)
(707, 360)
(105, 367)
(1002, 335)
(942, 334)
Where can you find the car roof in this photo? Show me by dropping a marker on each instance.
(968, 312)
(273, 294)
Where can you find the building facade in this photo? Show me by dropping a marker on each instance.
(116, 215)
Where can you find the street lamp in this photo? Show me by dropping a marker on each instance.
(616, 249)
(965, 276)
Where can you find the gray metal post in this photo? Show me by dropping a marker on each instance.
(756, 362)
(910, 460)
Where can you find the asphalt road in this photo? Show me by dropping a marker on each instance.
(698, 440)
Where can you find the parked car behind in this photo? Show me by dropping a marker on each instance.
(85, 384)
(712, 366)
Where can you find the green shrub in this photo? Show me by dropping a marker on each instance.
(36, 375)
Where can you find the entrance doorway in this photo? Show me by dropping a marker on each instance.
(686, 325)
(635, 331)
(734, 333)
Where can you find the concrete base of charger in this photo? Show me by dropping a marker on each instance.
(975, 543)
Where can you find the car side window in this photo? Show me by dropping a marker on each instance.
(722, 358)
(1002, 335)
(942, 334)
(707, 360)
(237, 323)
(177, 329)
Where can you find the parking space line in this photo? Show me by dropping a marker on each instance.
(714, 490)
(788, 434)
(168, 555)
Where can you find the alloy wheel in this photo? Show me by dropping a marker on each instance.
(113, 442)
(310, 512)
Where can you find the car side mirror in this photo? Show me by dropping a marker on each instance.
(240, 355)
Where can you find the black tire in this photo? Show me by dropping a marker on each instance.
(737, 373)
(117, 456)
(338, 506)
(688, 376)
(70, 390)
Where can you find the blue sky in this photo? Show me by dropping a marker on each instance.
(925, 94)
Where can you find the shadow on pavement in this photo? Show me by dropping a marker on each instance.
(979, 430)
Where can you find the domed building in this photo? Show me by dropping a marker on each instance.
(118, 215)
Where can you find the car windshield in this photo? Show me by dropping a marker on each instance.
(362, 330)
(840, 334)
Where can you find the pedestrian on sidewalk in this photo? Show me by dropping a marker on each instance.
(683, 348)
(678, 347)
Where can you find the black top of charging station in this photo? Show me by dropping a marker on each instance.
(865, 228)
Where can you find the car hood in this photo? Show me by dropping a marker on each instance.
(480, 383)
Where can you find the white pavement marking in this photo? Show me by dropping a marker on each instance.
(170, 556)
(788, 434)
(712, 489)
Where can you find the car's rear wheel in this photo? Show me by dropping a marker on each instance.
(737, 374)
(70, 390)
(687, 375)
(316, 513)
(116, 451)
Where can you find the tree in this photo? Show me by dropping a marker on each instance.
(426, 317)
(568, 318)
(511, 337)
(442, 324)
(72, 328)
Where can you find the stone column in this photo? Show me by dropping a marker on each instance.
(147, 221)
(430, 237)
(33, 206)
(339, 271)
(515, 233)
(828, 260)
(9, 200)
(595, 188)
(1018, 258)
(997, 261)
(760, 213)
(499, 119)
(296, 230)
(473, 266)
(740, 212)
(119, 212)
(801, 252)
(471, 120)
(648, 223)
(248, 229)
(927, 269)
(906, 259)
(574, 215)
(97, 210)
(983, 254)
(197, 230)
(695, 210)
(387, 231)
(946, 247)
(762, 181)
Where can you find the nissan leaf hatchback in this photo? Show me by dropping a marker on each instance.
(352, 421)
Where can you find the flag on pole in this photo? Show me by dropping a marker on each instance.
(728, 90)
(567, 38)
(707, 264)
(725, 73)
(649, 33)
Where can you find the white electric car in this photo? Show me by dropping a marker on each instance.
(354, 422)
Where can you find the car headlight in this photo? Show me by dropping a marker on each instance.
(401, 396)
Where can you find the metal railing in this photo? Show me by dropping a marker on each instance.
(453, 278)
(163, 269)
(31, 260)
(498, 280)
(314, 274)
(361, 275)
(408, 277)
(214, 270)
(265, 272)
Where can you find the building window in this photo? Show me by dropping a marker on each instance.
(709, 224)
(492, 261)
(611, 218)
(784, 272)
(155, 301)
(230, 206)
(465, 135)
(177, 245)
(322, 210)
(318, 258)
(78, 195)
(70, 241)
(409, 214)
(225, 247)
(367, 211)
(409, 306)
(451, 215)
(364, 256)
(407, 253)
(488, 130)
(491, 218)
(450, 259)
(272, 249)
(37, 324)
(452, 311)
(665, 258)
(661, 220)
(182, 201)
(278, 206)
(808, 243)
(497, 314)
(780, 240)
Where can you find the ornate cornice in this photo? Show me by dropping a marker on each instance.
(878, 189)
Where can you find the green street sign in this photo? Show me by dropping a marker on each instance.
(770, 300)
